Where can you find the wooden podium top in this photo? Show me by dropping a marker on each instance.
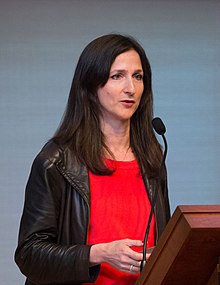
(188, 250)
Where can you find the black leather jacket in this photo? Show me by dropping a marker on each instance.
(53, 233)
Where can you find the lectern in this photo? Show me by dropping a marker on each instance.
(188, 251)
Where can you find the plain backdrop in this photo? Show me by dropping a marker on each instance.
(40, 41)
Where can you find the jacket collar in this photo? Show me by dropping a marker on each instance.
(75, 172)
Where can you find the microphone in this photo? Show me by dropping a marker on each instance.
(160, 129)
(159, 126)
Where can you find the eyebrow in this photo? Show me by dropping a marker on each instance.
(124, 70)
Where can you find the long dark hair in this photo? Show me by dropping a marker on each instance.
(80, 126)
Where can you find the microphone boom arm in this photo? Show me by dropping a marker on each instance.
(153, 202)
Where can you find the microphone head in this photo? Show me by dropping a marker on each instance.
(159, 126)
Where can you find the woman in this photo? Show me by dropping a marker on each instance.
(89, 193)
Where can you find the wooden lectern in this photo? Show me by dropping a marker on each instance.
(188, 251)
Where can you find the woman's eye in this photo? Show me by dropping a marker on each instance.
(138, 76)
(116, 76)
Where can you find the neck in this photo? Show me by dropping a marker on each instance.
(117, 139)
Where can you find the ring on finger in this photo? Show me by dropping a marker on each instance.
(131, 267)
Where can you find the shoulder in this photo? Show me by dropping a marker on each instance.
(51, 154)
(55, 155)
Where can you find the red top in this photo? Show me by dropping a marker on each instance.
(119, 209)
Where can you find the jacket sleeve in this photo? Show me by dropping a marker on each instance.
(164, 187)
(162, 207)
(40, 258)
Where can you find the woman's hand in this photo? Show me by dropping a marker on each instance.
(118, 254)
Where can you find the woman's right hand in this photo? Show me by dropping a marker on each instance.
(118, 254)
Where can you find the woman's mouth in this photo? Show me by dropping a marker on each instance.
(128, 103)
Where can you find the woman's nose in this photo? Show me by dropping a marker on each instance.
(129, 86)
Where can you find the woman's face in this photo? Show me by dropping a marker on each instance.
(121, 95)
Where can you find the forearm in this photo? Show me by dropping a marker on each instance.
(97, 252)
(45, 262)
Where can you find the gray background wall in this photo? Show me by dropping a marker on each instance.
(40, 42)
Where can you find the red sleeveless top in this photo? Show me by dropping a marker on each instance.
(119, 209)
